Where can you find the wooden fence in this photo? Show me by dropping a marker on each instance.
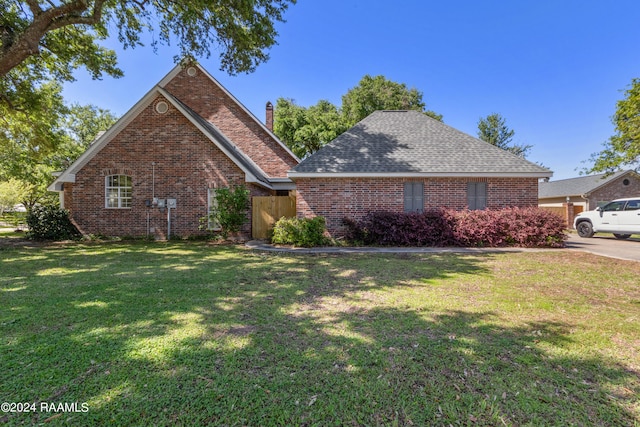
(267, 210)
(564, 213)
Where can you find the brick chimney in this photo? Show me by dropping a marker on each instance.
(269, 119)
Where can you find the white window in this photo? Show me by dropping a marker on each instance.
(212, 224)
(118, 189)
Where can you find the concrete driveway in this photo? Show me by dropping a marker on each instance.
(606, 245)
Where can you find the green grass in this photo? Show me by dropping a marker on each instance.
(7, 233)
(191, 334)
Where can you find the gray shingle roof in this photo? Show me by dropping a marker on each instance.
(397, 142)
(576, 186)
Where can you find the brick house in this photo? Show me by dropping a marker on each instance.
(589, 191)
(407, 161)
(189, 136)
(186, 137)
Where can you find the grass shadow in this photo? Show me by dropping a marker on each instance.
(186, 334)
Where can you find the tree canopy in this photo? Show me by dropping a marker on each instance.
(306, 130)
(623, 148)
(63, 34)
(378, 93)
(494, 130)
(28, 167)
(43, 41)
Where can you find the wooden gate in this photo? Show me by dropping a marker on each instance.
(562, 212)
(267, 210)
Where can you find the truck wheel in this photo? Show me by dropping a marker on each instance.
(622, 236)
(585, 229)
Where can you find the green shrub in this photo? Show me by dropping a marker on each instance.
(50, 223)
(229, 212)
(305, 232)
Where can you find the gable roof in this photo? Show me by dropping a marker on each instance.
(410, 143)
(253, 173)
(248, 166)
(165, 81)
(577, 186)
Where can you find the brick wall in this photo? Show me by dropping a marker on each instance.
(617, 189)
(186, 165)
(336, 198)
(208, 100)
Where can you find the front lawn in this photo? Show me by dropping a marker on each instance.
(193, 334)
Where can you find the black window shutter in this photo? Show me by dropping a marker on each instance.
(477, 195)
(481, 195)
(408, 196)
(471, 195)
(413, 196)
(418, 197)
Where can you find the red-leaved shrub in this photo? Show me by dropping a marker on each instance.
(430, 228)
(528, 227)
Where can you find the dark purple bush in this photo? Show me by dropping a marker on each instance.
(429, 228)
(529, 227)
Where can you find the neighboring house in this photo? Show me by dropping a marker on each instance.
(406, 161)
(589, 192)
(185, 138)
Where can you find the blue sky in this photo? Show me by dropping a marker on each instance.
(554, 69)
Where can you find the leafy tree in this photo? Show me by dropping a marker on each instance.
(287, 118)
(85, 122)
(81, 125)
(32, 166)
(379, 93)
(62, 35)
(11, 194)
(35, 123)
(306, 130)
(623, 148)
(493, 129)
(43, 40)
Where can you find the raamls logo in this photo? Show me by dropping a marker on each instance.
(66, 407)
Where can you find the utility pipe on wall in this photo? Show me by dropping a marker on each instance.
(153, 196)
(153, 180)
(168, 223)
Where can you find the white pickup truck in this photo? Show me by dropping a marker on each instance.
(620, 217)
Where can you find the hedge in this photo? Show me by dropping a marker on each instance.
(524, 227)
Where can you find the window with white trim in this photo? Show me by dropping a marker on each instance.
(118, 189)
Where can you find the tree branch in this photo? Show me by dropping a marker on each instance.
(28, 43)
(70, 19)
(34, 6)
